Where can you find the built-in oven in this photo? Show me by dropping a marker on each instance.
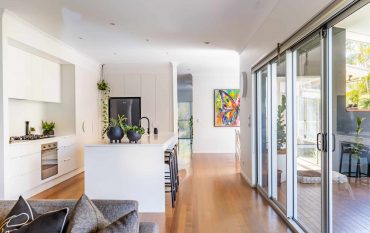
(49, 160)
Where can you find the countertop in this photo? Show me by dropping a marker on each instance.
(146, 140)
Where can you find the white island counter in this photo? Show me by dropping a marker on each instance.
(125, 171)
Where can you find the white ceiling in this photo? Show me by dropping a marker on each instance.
(161, 30)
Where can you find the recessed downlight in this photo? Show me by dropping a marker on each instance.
(147, 40)
(112, 24)
(206, 42)
(81, 38)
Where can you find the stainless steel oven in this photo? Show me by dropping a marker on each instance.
(49, 160)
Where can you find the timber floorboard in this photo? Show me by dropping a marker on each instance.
(213, 197)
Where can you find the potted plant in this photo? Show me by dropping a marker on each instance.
(134, 133)
(115, 129)
(103, 85)
(359, 147)
(48, 128)
(281, 140)
(32, 130)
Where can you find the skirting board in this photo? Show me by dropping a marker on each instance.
(51, 183)
(246, 178)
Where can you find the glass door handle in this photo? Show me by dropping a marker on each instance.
(318, 135)
(334, 142)
(325, 142)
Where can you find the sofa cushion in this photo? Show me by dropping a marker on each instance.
(86, 217)
(128, 223)
(19, 215)
(51, 222)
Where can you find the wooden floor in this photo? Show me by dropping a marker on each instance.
(212, 198)
(351, 205)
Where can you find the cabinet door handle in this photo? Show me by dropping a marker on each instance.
(83, 126)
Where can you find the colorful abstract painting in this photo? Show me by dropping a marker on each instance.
(227, 107)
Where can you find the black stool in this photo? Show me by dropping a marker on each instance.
(350, 149)
(170, 176)
(175, 152)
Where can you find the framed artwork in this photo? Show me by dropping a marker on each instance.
(226, 107)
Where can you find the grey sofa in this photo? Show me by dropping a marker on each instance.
(111, 209)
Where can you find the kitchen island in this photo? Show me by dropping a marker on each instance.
(124, 171)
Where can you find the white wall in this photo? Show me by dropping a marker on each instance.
(286, 17)
(153, 82)
(86, 75)
(207, 138)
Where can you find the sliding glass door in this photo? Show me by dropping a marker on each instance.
(308, 130)
(313, 127)
(279, 131)
(263, 104)
(350, 122)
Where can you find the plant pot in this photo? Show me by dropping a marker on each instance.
(133, 136)
(48, 133)
(279, 172)
(115, 134)
(281, 165)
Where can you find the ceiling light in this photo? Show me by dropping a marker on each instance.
(206, 42)
(112, 24)
(81, 38)
(147, 40)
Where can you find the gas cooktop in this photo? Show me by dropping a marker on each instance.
(29, 137)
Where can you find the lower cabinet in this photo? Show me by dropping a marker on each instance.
(24, 169)
(67, 159)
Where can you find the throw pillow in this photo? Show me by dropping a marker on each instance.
(86, 217)
(127, 224)
(19, 215)
(51, 222)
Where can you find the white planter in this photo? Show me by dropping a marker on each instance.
(281, 165)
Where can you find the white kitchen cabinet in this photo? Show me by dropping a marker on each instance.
(67, 159)
(24, 161)
(132, 85)
(32, 77)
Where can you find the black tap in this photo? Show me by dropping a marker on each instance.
(148, 123)
(27, 128)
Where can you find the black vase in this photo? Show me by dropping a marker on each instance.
(115, 134)
(133, 136)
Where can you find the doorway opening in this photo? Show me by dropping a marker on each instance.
(185, 117)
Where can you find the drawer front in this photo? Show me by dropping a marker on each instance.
(24, 165)
(20, 184)
(66, 141)
(67, 159)
(24, 149)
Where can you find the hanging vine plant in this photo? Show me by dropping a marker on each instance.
(104, 89)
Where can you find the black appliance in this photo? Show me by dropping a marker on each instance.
(130, 107)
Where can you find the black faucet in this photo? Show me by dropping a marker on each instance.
(148, 123)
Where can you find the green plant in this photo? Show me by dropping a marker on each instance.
(32, 130)
(281, 125)
(119, 122)
(104, 89)
(359, 146)
(48, 126)
(102, 85)
(135, 128)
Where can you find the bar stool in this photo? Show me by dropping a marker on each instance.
(176, 165)
(349, 148)
(170, 176)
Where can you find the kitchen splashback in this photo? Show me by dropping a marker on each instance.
(23, 110)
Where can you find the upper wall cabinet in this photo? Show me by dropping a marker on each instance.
(32, 77)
